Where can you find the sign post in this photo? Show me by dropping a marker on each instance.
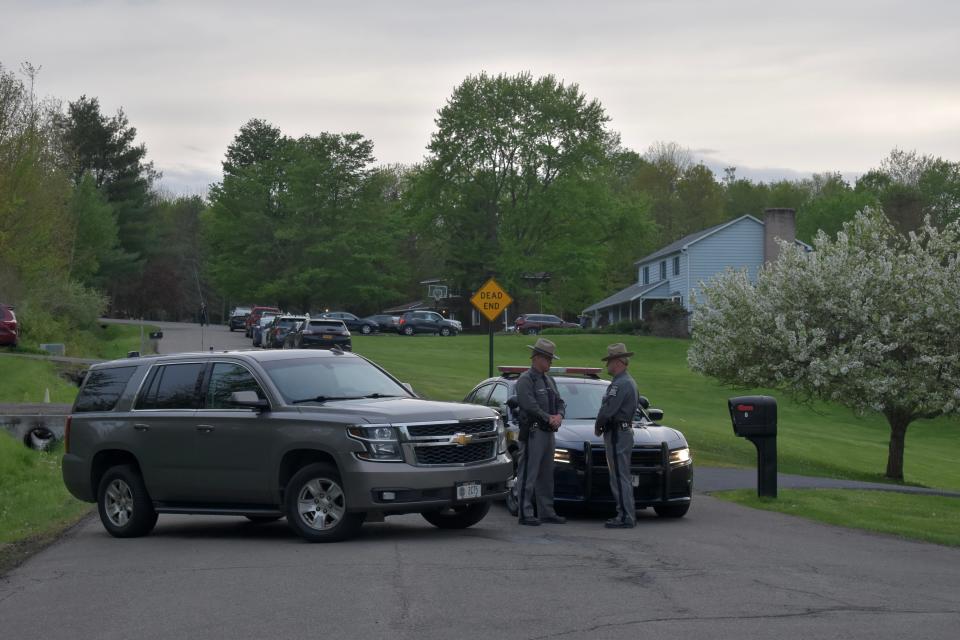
(491, 300)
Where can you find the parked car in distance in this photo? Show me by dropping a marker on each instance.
(326, 438)
(532, 323)
(275, 333)
(386, 322)
(9, 327)
(428, 322)
(238, 318)
(254, 316)
(355, 324)
(257, 332)
(319, 333)
(661, 465)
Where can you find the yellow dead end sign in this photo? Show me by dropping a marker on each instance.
(491, 300)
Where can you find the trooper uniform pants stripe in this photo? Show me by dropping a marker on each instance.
(618, 444)
(535, 475)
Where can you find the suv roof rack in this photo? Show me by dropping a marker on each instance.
(509, 371)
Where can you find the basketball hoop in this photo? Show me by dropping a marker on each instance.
(437, 291)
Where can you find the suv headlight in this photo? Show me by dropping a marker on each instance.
(501, 435)
(680, 456)
(382, 444)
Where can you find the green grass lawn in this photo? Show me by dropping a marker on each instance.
(26, 380)
(917, 517)
(824, 440)
(34, 504)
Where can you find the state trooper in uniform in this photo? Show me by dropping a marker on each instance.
(615, 423)
(541, 412)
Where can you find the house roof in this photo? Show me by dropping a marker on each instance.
(688, 240)
(629, 294)
(410, 306)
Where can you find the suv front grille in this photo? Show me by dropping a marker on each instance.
(455, 454)
(449, 429)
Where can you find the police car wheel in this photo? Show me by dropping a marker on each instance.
(457, 517)
(125, 507)
(365, 329)
(316, 505)
(672, 510)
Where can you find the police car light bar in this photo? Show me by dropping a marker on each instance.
(583, 371)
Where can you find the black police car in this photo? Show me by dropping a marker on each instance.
(661, 465)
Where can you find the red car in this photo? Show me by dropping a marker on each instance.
(531, 323)
(9, 329)
(254, 318)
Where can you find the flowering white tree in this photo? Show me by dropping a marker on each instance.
(870, 319)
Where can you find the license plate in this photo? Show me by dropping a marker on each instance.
(327, 337)
(636, 481)
(469, 490)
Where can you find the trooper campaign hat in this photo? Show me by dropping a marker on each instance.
(618, 351)
(545, 348)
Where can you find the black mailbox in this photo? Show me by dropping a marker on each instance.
(753, 415)
(755, 418)
(156, 335)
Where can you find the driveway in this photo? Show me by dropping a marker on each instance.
(724, 571)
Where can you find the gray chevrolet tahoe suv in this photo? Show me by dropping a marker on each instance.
(326, 438)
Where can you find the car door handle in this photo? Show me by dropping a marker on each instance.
(205, 428)
(141, 427)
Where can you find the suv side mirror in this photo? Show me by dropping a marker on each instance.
(249, 399)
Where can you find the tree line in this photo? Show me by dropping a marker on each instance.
(523, 175)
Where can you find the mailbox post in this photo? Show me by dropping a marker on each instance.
(755, 418)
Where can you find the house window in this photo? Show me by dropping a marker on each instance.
(663, 270)
(475, 317)
(646, 275)
(676, 265)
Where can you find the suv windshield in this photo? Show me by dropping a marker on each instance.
(338, 377)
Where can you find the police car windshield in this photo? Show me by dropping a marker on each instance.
(583, 398)
(339, 377)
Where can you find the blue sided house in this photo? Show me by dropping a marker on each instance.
(675, 271)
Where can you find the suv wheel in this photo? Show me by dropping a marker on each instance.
(532, 332)
(457, 517)
(672, 510)
(317, 506)
(445, 331)
(365, 329)
(126, 510)
(408, 330)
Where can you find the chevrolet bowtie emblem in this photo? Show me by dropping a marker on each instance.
(461, 439)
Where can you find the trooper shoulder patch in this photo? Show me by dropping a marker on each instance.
(613, 390)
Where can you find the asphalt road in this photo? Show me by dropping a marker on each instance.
(724, 571)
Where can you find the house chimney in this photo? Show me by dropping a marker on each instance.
(778, 224)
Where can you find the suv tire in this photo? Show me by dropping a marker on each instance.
(457, 517)
(366, 330)
(126, 510)
(445, 331)
(408, 331)
(672, 510)
(324, 517)
(532, 332)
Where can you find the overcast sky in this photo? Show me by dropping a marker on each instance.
(774, 88)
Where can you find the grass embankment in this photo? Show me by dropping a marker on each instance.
(823, 440)
(35, 507)
(918, 517)
(27, 379)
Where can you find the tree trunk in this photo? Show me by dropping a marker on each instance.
(898, 431)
